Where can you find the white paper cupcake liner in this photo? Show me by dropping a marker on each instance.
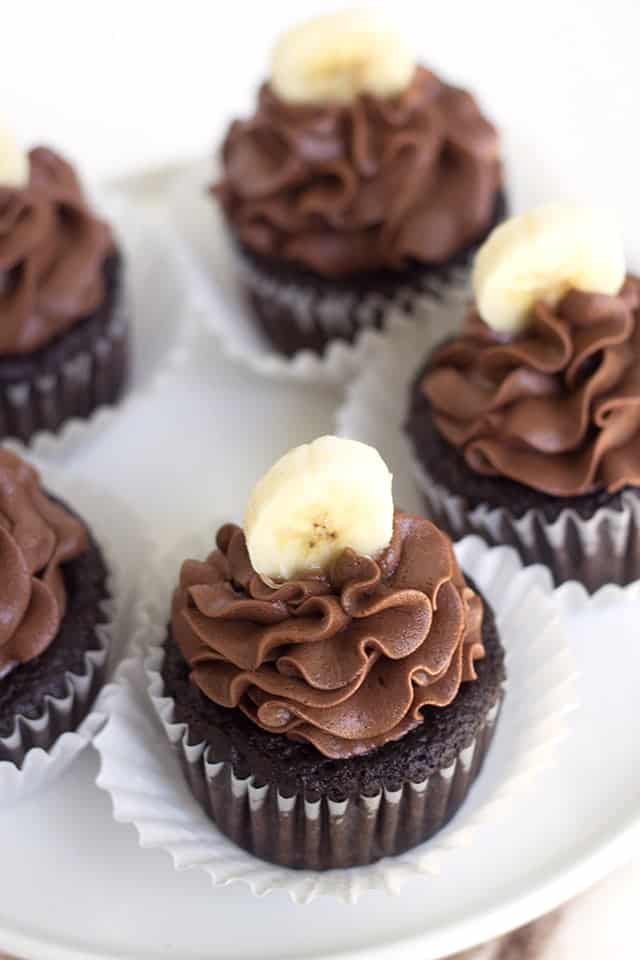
(573, 598)
(118, 534)
(158, 311)
(225, 277)
(144, 778)
(597, 550)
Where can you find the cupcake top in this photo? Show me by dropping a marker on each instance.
(356, 158)
(37, 537)
(542, 385)
(52, 249)
(347, 648)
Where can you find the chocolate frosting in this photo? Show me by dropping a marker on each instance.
(557, 407)
(37, 536)
(52, 250)
(373, 184)
(345, 662)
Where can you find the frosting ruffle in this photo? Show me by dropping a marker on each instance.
(557, 407)
(346, 662)
(52, 250)
(375, 184)
(37, 536)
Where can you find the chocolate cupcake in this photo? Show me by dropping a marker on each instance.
(63, 333)
(361, 185)
(526, 426)
(336, 679)
(53, 605)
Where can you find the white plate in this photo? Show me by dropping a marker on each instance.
(74, 884)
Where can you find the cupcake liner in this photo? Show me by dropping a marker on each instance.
(604, 548)
(225, 279)
(157, 312)
(69, 723)
(601, 549)
(332, 833)
(317, 314)
(87, 380)
(148, 788)
(61, 713)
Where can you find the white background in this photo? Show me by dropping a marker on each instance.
(123, 84)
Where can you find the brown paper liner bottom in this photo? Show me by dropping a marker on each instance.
(297, 315)
(605, 548)
(321, 833)
(300, 310)
(62, 713)
(89, 375)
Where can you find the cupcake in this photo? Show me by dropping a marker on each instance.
(526, 426)
(63, 339)
(335, 679)
(362, 183)
(53, 591)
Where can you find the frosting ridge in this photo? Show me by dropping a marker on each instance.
(37, 536)
(373, 184)
(344, 661)
(52, 250)
(557, 407)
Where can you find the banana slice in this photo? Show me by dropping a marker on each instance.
(315, 501)
(335, 57)
(542, 254)
(14, 163)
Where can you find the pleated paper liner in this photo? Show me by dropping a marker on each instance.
(605, 548)
(319, 832)
(62, 714)
(300, 316)
(146, 780)
(39, 749)
(228, 281)
(91, 376)
(156, 318)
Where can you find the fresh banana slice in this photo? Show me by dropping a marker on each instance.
(542, 254)
(335, 57)
(14, 163)
(315, 501)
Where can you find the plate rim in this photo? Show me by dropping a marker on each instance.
(549, 894)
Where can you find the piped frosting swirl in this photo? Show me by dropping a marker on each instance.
(556, 407)
(345, 661)
(52, 251)
(341, 189)
(37, 537)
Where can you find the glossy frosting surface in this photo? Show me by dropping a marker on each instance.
(37, 537)
(373, 184)
(345, 661)
(52, 251)
(557, 407)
